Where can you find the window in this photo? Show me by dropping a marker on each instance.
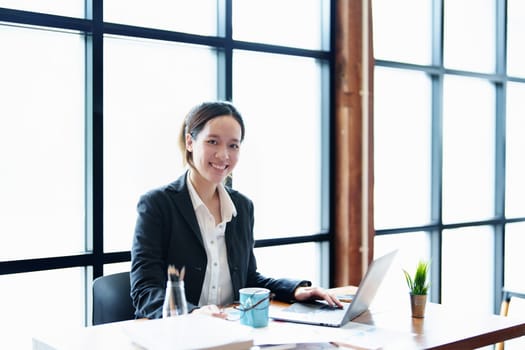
(145, 101)
(402, 126)
(96, 94)
(403, 39)
(472, 22)
(468, 149)
(412, 246)
(455, 267)
(514, 239)
(70, 8)
(448, 141)
(287, 137)
(288, 27)
(515, 145)
(41, 143)
(179, 16)
(515, 31)
(41, 301)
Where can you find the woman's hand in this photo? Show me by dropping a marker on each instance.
(311, 293)
(210, 310)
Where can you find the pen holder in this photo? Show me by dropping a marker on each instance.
(254, 306)
(175, 300)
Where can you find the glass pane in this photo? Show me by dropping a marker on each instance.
(402, 129)
(297, 23)
(306, 263)
(163, 81)
(39, 302)
(468, 269)
(515, 186)
(195, 17)
(515, 35)
(289, 169)
(406, 36)
(514, 258)
(41, 143)
(71, 8)
(413, 247)
(117, 267)
(469, 37)
(468, 149)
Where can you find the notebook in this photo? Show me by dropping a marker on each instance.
(321, 314)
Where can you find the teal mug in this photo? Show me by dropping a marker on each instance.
(254, 306)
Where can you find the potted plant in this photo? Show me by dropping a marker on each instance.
(418, 286)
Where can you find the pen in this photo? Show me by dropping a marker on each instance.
(182, 272)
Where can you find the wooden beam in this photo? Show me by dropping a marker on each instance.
(351, 165)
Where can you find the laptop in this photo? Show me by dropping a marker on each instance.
(321, 314)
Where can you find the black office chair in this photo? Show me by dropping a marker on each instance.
(111, 299)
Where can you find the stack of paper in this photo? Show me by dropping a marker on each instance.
(189, 332)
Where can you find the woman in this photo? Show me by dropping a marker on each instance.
(198, 223)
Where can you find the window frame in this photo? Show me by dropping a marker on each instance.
(94, 28)
(499, 79)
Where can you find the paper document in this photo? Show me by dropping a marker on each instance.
(189, 332)
(351, 335)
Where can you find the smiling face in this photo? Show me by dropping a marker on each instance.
(215, 149)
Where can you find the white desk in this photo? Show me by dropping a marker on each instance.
(442, 328)
(184, 332)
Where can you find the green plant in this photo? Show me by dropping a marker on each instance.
(419, 284)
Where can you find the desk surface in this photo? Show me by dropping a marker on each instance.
(441, 328)
(445, 328)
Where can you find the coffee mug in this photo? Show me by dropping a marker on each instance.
(254, 306)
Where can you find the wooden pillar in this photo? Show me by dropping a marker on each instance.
(354, 230)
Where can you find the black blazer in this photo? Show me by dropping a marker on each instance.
(167, 232)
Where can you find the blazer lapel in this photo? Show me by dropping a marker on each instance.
(181, 198)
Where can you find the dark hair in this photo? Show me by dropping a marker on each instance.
(197, 118)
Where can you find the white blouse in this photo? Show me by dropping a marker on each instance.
(217, 287)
